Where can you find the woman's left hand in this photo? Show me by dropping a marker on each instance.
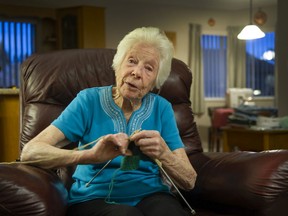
(175, 163)
(150, 143)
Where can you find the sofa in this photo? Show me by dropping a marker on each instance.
(231, 183)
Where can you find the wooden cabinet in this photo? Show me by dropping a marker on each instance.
(81, 27)
(9, 125)
(48, 32)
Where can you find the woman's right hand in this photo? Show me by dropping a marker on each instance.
(109, 147)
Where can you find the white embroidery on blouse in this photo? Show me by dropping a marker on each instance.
(116, 114)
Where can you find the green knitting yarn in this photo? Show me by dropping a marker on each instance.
(131, 162)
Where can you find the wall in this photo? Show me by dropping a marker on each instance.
(21, 11)
(281, 61)
(121, 19)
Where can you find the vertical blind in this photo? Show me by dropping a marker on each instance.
(214, 65)
(17, 42)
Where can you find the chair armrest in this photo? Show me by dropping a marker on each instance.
(247, 180)
(27, 190)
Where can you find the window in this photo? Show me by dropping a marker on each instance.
(259, 65)
(17, 42)
(214, 65)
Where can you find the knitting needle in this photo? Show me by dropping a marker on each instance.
(88, 183)
(193, 212)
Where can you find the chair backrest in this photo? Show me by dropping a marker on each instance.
(50, 81)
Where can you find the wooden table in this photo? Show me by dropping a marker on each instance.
(246, 139)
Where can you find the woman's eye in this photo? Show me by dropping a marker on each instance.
(149, 68)
(131, 61)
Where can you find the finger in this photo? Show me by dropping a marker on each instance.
(116, 139)
(121, 149)
(139, 135)
(121, 143)
(128, 153)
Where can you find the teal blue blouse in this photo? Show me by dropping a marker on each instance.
(93, 114)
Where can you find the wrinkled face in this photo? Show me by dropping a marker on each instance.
(137, 73)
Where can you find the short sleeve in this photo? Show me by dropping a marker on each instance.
(74, 119)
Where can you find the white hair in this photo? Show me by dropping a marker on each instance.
(150, 36)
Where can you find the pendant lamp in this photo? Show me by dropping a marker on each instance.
(250, 32)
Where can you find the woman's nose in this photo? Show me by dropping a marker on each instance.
(137, 72)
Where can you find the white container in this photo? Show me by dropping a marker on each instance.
(267, 122)
(238, 96)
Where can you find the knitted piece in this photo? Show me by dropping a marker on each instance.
(131, 162)
(127, 163)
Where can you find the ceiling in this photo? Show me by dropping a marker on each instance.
(197, 4)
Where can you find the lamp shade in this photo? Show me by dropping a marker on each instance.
(250, 32)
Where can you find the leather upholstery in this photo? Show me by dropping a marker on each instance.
(237, 183)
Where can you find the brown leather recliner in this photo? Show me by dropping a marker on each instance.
(238, 183)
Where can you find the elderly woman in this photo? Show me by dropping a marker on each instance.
(130, 128)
